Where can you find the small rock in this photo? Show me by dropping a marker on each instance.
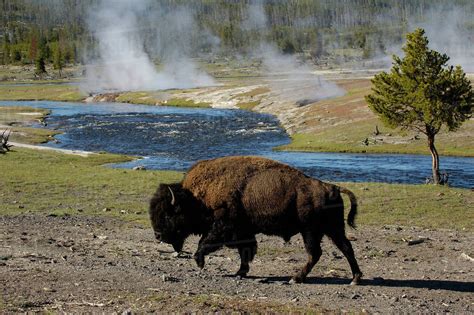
(166, 278)
(102, 237)
(106, 209)
(21, 207)
(355, 296)
(296, 299)
(415, 242)
(440, 194)
(467, 257)
(139, 168)
(335, 255)
(123, 212)
(49, 290)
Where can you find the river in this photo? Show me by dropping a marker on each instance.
(174, 138)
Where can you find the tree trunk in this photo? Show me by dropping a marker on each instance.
(435, 160)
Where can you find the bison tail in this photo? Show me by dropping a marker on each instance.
(353, 211)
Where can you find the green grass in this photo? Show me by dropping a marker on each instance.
(248, 105)
(342, 124)
(53, 92)
(181, 102)
(158, 98)
(349, 138)
(147, 98)
(414, 205)
(59, 184)
(19, 114)
(17, 119)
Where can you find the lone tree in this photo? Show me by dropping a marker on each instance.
(422, 93)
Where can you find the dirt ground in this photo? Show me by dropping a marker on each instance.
(91, 264)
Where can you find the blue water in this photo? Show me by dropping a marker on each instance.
(174, 138)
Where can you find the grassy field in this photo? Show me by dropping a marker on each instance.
(50, 92)
(342, 124)
(57, 184)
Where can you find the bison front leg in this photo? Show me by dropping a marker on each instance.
(247, 250)
(312, 243)
(211, 242)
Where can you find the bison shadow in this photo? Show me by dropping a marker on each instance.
(448, 285)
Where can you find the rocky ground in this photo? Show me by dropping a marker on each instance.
(91, 264)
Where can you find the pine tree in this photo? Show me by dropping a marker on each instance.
(6, 50)
(422, 93)
(40, 67)
(58, 61)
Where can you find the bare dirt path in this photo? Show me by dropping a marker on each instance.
(78, 263)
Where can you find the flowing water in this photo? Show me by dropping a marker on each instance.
(174, 138)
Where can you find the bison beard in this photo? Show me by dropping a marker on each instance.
(229, 200)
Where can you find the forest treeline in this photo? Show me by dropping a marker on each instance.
(56, 31)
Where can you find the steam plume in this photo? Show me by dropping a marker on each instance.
(295, 81)
(122, 62)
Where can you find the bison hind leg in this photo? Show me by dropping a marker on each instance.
(247, 250)
(344, 245)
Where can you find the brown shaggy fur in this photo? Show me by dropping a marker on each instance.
(232, 199)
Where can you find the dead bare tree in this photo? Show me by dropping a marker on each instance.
(4, 146)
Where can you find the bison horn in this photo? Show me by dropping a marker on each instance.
(173, 200)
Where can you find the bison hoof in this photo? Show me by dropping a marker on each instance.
(241, 273)
(296, 280)
(356, 279)
(199, 260)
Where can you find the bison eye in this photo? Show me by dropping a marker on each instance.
(158, 235)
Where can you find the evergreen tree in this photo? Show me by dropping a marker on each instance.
(6, 50)
(422, 93)
(40, 68)
(58, 61)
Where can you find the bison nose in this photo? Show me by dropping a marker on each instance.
(158, 236)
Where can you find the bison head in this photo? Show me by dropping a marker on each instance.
(169, 215)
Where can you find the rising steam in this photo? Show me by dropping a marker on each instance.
(294, 81)
(121, 62)
(446, 29)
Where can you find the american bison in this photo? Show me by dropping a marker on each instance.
(229, 200)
